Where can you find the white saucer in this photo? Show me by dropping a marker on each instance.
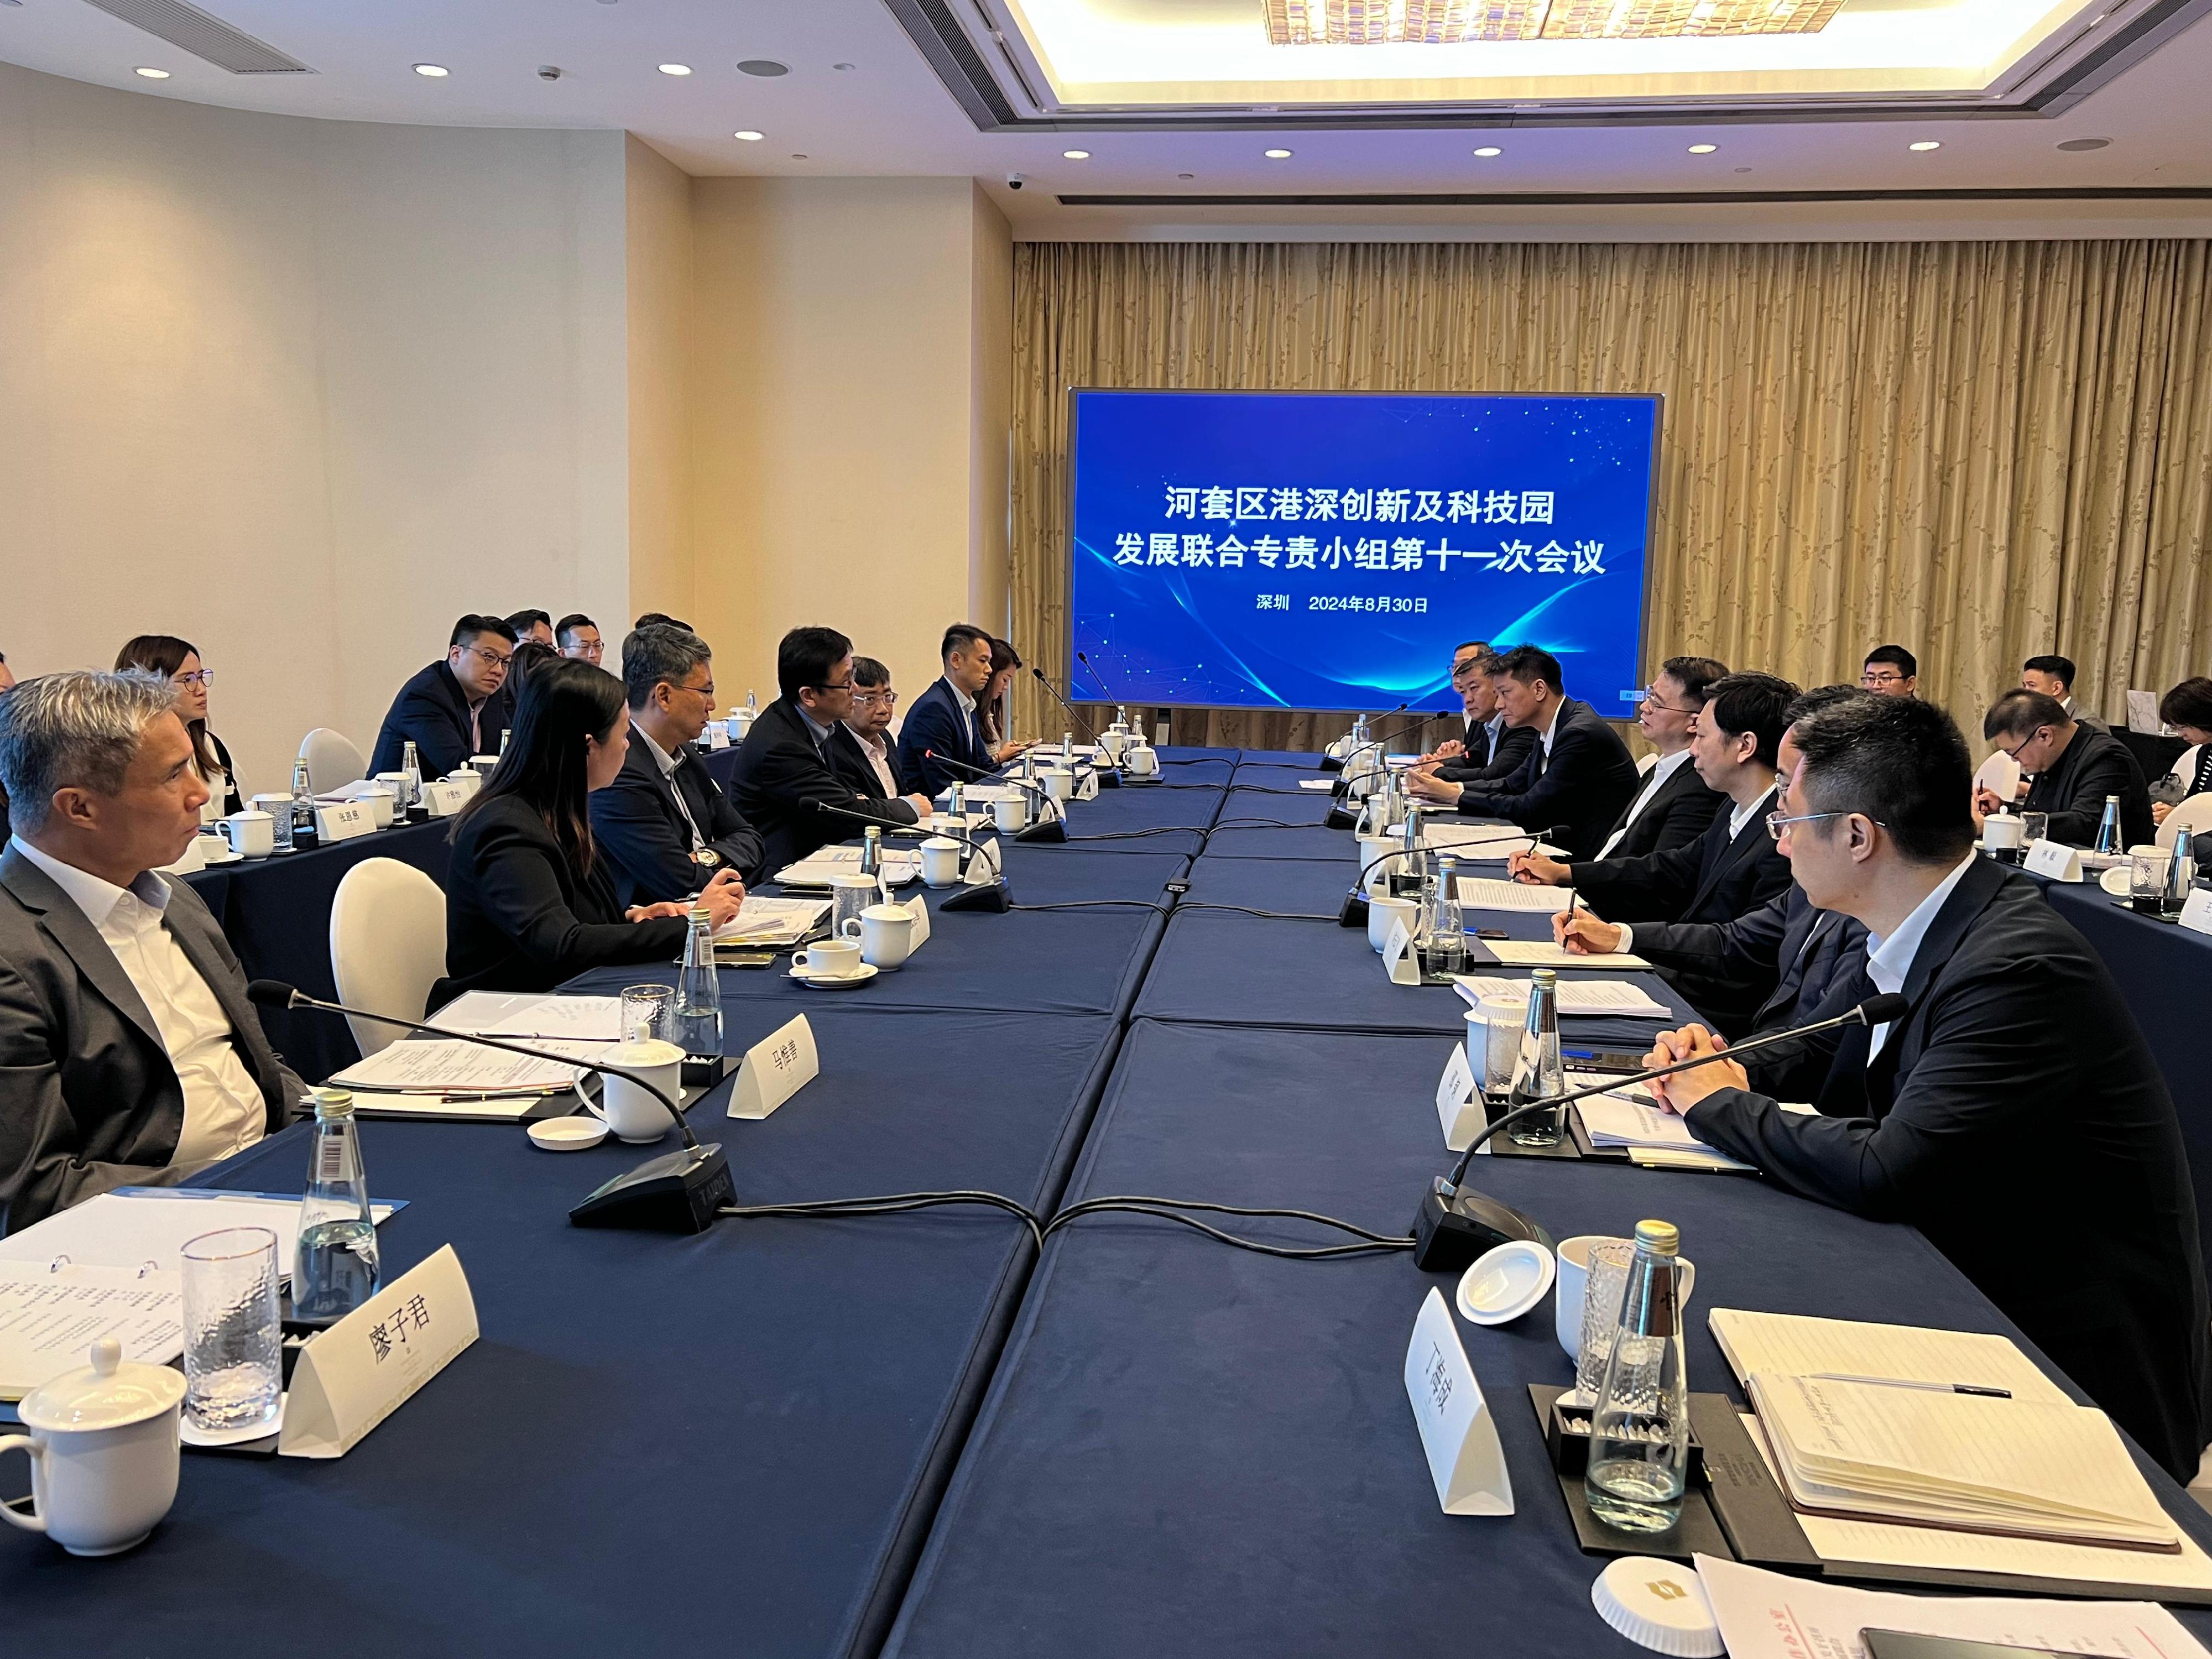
(568, 1135)
(1506, 1282)
(210, 859)
(859, 976)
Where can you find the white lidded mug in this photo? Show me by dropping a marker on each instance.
(1573, 1284)
(103, 1450)
(885, 933)
(940, 861)
(1115, 740)
(828, 958)
(2002, 832)
(1381, 909)
(383, 805)
(1011, 813)
(1372, 847)
(252, 835)
(1143, 760)
(634, 1114)
(1059, 782)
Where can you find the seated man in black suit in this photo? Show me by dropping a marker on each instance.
(1577, 778)
(785, 773)
(663, 823)
(2015, 1114)
(1732, 868)
(1674, 804)
(2075, 767)
(861, 749)
(1493, 750)
(452, 709)
(129, 1055)
(947, 719)
(532, 625)
(2053, 675)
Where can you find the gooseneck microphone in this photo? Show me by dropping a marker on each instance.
(1048, 826)
(1456, 1225)
(1339, 817)
(676, 1192)
(993, 895)
(1108, 768)
(1354, 912)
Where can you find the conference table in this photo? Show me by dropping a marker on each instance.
(916, 1435)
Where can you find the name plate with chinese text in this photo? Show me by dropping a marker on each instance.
(1459, 1104)
(774, 1069)
(2054, 858)
(1398, 959)
(443, 800)
(2196, 911)
(353, 1376)
(920, 907)
(1466, 1462)
(343, 820)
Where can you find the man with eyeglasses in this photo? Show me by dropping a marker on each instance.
(665, 827)
(2075, 767)
(1890, 671)
(1675, 805)
(861, 746)
(2014, 1113)
(578, 636)
(452, 709)
(784, 773)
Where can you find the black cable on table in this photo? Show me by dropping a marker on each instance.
(1096, 904)
(890, 1204)
(1164, 1209)
(1134, 834)
(1270, 915)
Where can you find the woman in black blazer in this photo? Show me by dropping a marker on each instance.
(176, 661)
(529, 902)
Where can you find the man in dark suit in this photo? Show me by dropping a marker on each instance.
(1578, 776)
(1732, 868)
(1492, 749)
(2075, 767)
(2014, 1113)
(784, 773)
(947, 719)
(452, 709)
(1674, 804)
(861, 750)
(2053, 675)
(663, 825)
(129, 1055)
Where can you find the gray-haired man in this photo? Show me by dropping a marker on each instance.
(129, 1053)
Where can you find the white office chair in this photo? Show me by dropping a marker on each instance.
(1644, 766)
(2194, 815)
(387, 945)
(332, 761)
(1999, 775)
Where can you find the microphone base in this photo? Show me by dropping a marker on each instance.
(1448, 1239)
(1353, 914)
(1330, 764)
(1050, 830)
(1340, 817)
(993, 896)
(1109, 777)
(677, 1193)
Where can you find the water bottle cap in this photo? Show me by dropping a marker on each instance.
(1660, 1238)
(1545, 976)
(331, 1103)
(701, 912)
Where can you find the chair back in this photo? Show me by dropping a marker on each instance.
(2194, 815)
(387, 945)
(332, 761)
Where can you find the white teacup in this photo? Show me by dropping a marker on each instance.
(940, 861)
(252, 835)
(1372, 847)
(1143, 760)
(885, 933)
(828, 958)
(1011, 814)
(1573, 1284)
(383, 805)
(2003, 833)
(1381, 909)
(634, 1114)
(103, 1450)
(1116, 742)
(1059, 782)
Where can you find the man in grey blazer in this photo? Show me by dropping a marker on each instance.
(129, 1055)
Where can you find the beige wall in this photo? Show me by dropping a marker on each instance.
(302, 391)
(659, 258)
(852, 382)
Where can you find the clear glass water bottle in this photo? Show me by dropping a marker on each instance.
(2181, 873)
(1640, 1432)
(752, 706)
(1068, 748)
(304, 833)
(410, 772)
(955, 799)
(699, 990)
(2108, 827)
(1537, 1072)
(1444, 943)
(335, 1268)
(871, 851)
(1410, 874)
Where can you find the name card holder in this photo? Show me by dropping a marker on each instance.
(718, 736)
(343, 820)
(2196, 911)
(919, 905)
(443, 800)
(353, 1376)
(1398, 961)
(1459, 1103)
(1088, 788)
(2055, 860)
(1466, 1465)
(774, 1069)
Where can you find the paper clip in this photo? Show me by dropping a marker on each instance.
(57, 1264)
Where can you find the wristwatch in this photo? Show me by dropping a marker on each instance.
(706, 858)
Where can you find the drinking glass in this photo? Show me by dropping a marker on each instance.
(2147, 872)
(2035, 826)
(648, 1013)
(1503, 1018)
(233, 1336)
(1602, 1290)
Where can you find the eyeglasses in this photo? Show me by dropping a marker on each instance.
(200, 677)
(1778, 822)
(1888, 677)
(589, 650)
(492, 659)
(2013, 755)
(842, 685)
(706, 690)
(885, 698)
(1652, 700)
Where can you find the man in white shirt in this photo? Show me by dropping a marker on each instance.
(869, 724)
(129, 1053)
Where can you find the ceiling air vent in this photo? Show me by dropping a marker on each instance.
(192, 30)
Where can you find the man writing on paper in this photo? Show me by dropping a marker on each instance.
(1578, 774)
(665, 825)
(129, 1055)
(2075, 767)
(2015, 1115)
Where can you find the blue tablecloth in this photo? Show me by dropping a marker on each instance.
(1041, 873)
(1284, 801)
(276, 914)
(726, 1444)
(1191, 1449)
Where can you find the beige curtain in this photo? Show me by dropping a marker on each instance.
(1980, 450)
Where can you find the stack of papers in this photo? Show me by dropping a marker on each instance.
(773, 922)
(1648, 1134)
(435, 1065)
(1577, 996)
(986, 793)
(50, 1318)
(1542, 953)
(136, 1227)
(817, 867)
(1486, 893)
(529, 1016)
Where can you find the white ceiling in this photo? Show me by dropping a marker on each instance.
(890, 114)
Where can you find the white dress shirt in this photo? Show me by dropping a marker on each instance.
(667, 763)
(1546, 739)
(966, 705)
(878, 751)
(1664, 769)
(224, 1109)
(1741, 815)
(1889, 961)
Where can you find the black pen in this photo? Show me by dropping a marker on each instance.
(1980, 1389)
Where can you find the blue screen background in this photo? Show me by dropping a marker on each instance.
(1197, 580)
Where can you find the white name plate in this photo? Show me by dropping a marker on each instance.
(1458, 1109)
(365, 1367)
(1398, 955)
(1088, 789)
(920, 907)
(718, 735)
(1466, 1462)
(775, 1068)
(2055, 860)
(2196, 911)
(443, 800)
(344, 820)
